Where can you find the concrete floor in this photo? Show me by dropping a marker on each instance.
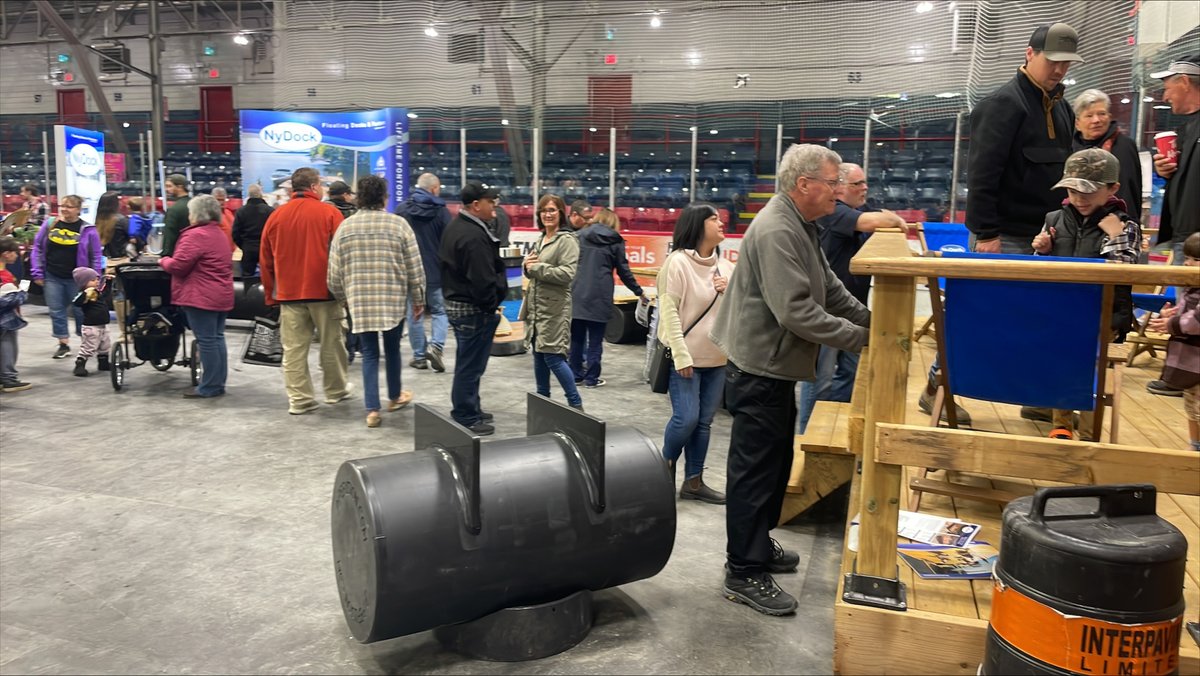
(144, 533)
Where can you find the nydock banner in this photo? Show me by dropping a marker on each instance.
(341, 146)
(79, 165)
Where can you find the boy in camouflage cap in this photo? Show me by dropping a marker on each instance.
(1092, 223)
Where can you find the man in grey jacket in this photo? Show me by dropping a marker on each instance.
(782, 304)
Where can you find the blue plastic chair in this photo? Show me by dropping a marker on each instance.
(1042, 344)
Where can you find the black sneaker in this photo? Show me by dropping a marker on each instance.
(782, 561)
(419, 364)
(62, 351)
(102, 363)
(1162, 389)
(435, 359)
(486, 417)
(482, 429)
(759, 591)
(599, 383)
(81, 367)
(14, 386)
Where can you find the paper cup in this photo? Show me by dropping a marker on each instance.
(1165, 142)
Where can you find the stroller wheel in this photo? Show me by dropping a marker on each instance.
(162, 364)
(117, 367)
(194, 362)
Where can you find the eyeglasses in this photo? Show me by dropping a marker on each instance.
(549, 211)
(832, 183)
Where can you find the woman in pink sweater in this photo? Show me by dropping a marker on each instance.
(201, 269)
(690, 284)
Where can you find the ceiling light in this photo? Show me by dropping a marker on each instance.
(412, 116)
(833, 139)
(592, 129)
(712, 131)
(655, 22)
(879, 144)
(125, 124)
(693, 58)
(946, 95)
(241, 39)
(431, 31)
(1162, 107)
(1070, 81)
(1126, 99)
(1148, 99)
(504, 122)
(923, 7)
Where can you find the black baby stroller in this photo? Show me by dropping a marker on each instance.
(154, 328)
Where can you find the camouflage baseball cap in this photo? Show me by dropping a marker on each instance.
(1089, 170)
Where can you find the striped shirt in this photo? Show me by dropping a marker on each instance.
(374, 264)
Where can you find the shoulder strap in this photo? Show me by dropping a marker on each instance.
(710, 306)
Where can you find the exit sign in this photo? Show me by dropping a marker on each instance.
(214, 73)
(610, 59)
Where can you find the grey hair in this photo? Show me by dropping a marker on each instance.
(803, 159)
(203, 208)
(1088, 99)
(428, 181)
(845, 168)
(218, 192)
(255, 190)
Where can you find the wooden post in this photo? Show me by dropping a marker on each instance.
(891, 336)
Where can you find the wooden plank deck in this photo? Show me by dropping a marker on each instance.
(954, 614)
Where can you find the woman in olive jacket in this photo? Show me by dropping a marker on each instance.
(546, 311)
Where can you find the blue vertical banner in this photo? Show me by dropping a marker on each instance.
(341, 146)
(79, 166)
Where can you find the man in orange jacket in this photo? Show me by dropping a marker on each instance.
(294, 257)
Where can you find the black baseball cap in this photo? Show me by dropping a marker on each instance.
(339, 188)
(473, 191)
(1058, 41)
(1186, 66)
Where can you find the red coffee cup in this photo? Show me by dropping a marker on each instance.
(1165, 142)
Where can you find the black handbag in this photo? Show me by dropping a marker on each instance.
(661, 363)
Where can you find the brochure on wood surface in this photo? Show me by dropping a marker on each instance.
(936, 530)
(937, 562)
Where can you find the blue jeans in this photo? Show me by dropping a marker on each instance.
(474, 335)
(834, 382)
(694, 401)
(368, 342)
(208, 326)
(436, 310)
(587, 338)
(60, 291)
(546, 362)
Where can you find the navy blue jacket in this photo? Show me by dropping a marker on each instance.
(600, 251)
(428, 216)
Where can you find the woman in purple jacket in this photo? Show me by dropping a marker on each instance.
(202, 286)
(63, 244)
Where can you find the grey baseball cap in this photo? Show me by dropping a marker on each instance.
(1058, 41)
(1186, 66)
(1089, 170)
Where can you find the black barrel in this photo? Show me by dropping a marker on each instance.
(1078, 591)
(452, 532)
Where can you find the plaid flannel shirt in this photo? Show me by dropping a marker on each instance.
(375, 265)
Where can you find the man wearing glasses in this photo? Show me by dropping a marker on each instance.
(581, 215)
(783, 304)
(843, 233)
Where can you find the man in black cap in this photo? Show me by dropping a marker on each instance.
(341, 196)
(1181, 205)
(474, 282)
(1020, 139)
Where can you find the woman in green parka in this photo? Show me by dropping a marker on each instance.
(546, 311)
